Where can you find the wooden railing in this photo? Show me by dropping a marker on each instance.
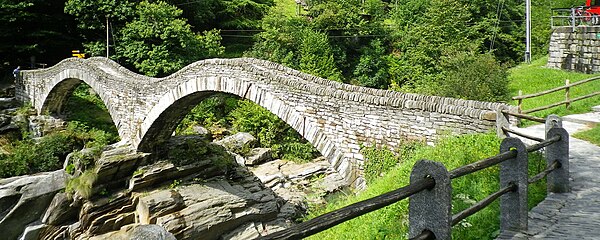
(567, 102)
(429, 191)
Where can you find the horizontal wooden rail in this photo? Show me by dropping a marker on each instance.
(543, 144)
(336, 217)
(482, 204)
(561, 103)
(525, 116)
(425, 235)
(555, 89)
(539, 176)
(482, 164)
(522, 134)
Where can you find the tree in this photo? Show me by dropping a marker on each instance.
(157, 42)
(291, 42)
(372, 68)
(34, 30)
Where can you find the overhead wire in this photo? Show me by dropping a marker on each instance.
(498, 16)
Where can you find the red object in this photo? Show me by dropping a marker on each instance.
(589, 13)
(593, 7)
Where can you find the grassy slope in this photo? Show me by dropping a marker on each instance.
(391, 222)
(592, 135)
(536, 77)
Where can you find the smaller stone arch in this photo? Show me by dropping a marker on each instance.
(58, 90)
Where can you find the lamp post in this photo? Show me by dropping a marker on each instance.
(528, 31)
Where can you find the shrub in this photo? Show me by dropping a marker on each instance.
(83, 184)
(474, 76)
(377, 162)
(270, 131)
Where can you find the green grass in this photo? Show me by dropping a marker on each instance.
(535, 77)
(592, 135)
(391, 222)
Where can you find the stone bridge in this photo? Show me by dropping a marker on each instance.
(336, 118)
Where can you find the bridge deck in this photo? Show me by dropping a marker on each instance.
(574, 215)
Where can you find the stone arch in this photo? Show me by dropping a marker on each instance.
(172, 107)
(60, 88)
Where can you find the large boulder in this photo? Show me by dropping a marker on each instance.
(238, 142)
(258, 156)
(24, 199)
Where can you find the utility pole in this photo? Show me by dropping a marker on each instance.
(528, 31)
(107, 37)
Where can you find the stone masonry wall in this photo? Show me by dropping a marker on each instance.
(576, 51)
(336, 118)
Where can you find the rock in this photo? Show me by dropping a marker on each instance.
(246, 231)
(32, 232)
(9, 128)
(333, 182)
(9, 102)
(4, 120)
(41, 125)
(164, 171)
(138, 232)
(218, 207)
(114, 167)
(201, 131)
(238, 142)
(24, 199)
(107, 214)
(161, 202)
(258, 155)
(238, 158)
(60, 211)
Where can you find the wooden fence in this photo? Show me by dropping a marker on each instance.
(430, 191)
(567, 102)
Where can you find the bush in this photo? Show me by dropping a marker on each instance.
(270, 131)
(474, 76)
(83, 184)
(377, 162)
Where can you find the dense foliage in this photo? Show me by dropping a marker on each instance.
(89, 126)
(225, 111)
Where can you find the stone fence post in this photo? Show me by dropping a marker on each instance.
(513, 205)
(431, 209)
(558, 180)
(502, 120)
(552, 120)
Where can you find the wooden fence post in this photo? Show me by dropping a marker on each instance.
(520, 105)
(431, 209)
(567, 103)
(558, 180)
(513, 205)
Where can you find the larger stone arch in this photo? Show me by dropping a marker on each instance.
(172, 107)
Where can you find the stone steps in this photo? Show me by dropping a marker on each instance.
(596, 108)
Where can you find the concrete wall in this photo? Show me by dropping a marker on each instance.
(336, 118)
(577, 51)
